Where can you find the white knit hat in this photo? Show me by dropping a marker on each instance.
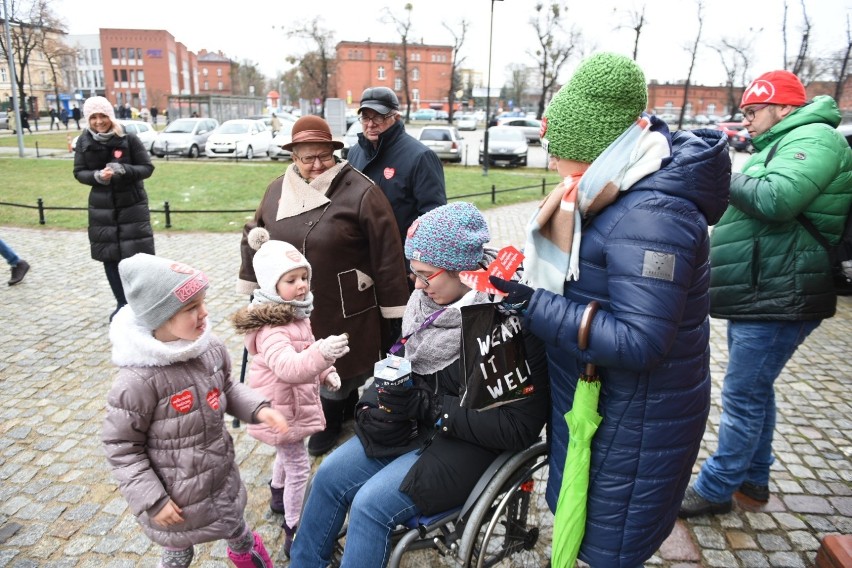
(94, 105)
(157, 288)
(273, 259)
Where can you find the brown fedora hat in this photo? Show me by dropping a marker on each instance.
(312, 129)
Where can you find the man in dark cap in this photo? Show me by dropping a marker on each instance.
(410, 174)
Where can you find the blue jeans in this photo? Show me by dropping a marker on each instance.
(757, 353)
(368, 487)
(7, 253)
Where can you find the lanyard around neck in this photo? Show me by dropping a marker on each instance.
(426, 323)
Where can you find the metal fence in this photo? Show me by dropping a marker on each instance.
(170, 211)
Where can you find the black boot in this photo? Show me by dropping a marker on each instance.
(321, 442)
(276, 501)
(18, 272)
(349, 406)
(288, 537)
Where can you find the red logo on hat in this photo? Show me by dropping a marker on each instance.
(182, 401)
(293, 255)
(117, 154)
(191, 287)
(759, 91)
(413, 228)
(213, 399)
(389, 173)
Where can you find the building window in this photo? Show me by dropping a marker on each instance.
(123, 53)
(397, 84)
(415, 56)
(381, 73)
(415, 94)
(206, 85)
(3, 72)
(139, 53)
(219, 72)
(115, 75)
(221, 86)
(123, 74)
(397, 64)
(113, 52)
(415, 74)
(140, 76)
(204, 71)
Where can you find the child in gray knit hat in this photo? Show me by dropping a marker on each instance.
(165, 433)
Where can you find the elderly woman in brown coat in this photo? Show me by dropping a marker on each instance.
(344, 225)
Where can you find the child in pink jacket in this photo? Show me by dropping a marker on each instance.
(287, 366)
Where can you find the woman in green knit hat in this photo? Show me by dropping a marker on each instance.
(627, 227)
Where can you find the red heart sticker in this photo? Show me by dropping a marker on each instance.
(504, 266)
(213, 399)
(117, 154)
(182, 401)
(389, 173)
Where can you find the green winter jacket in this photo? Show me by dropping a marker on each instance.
(765, 265)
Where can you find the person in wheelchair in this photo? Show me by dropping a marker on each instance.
(417, 450)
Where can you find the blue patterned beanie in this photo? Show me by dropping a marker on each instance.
(451, 237)
(602, 99)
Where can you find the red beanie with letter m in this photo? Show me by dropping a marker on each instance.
(775, 88)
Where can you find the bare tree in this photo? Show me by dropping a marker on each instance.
(244, 76)
(801, 59)
(735, 55)
(843, 64)
(455, 80)
(699, 4)
(636, 21)
(318, 64)
(56, 53)
(28, 22)
(518, 79)
(555, 46)
(403, 28)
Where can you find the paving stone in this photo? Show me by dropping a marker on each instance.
(786, 560)
(808, 504)
(773, 542)
(752, 559)
(7, 530)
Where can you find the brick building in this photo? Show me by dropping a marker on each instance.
(373, 64)
(215, 73)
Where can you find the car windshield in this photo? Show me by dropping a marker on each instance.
(234, 128)
(435, 134)
(506, 135)
(180, 126)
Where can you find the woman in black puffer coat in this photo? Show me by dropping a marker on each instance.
(114, 164)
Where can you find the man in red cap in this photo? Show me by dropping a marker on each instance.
(771, 279)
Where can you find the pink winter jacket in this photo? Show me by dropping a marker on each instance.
(285, 369)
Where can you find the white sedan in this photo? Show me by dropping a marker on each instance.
(144, 131)
(239, 138)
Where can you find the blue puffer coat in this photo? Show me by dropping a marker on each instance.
(650, 341)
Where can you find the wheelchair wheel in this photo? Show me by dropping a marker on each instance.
(511, 524)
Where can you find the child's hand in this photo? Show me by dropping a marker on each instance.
(334, 346)
(273, 419)
(332, 381)
(169, 515)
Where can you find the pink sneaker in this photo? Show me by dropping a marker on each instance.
(257, 557)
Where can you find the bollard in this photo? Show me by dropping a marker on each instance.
(168, 213)
(493, 193)
(40, 211)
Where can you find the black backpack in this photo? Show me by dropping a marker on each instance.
(839, 255)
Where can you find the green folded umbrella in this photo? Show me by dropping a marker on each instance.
(583, 420)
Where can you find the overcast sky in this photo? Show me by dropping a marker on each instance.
(256, 31)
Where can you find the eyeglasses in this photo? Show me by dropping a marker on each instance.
(748, 113)
(377, 119)
(308, 160)
(425, 279)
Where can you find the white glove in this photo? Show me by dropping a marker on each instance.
(334, 346)
(332, 381)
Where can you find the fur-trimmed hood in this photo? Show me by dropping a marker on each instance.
(134, 345)
(255, 316)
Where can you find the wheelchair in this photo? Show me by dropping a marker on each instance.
(504, 522)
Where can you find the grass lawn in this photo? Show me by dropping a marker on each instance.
(193, 185)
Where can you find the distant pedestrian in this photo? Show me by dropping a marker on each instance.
(25, 121)
(76, 115)
(154, 113)
(276, 124)
(54, 118)
(12, 125)
(19, 266)
(287, 366)
(165, 435)
(63, 117)
(114, 164)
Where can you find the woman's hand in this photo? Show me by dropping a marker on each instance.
(273, 419)
(169, 515)
(518, 296)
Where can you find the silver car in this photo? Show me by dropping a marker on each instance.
(184, 137)
(445, 141)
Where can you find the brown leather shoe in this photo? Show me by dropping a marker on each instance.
(19, 271)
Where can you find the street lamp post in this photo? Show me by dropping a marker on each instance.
(488, 94)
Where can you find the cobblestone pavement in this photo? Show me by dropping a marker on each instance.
(59, 506)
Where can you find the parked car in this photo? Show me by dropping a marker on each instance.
(184, 137)
(351, 138)
(465, 121)
(506, 146)
(284, 136)
(424, 114)
(741, 141)
(4, 120)
(445, 141)
(146, 133)
(730, 128)
(529, 126)
(239, 138)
